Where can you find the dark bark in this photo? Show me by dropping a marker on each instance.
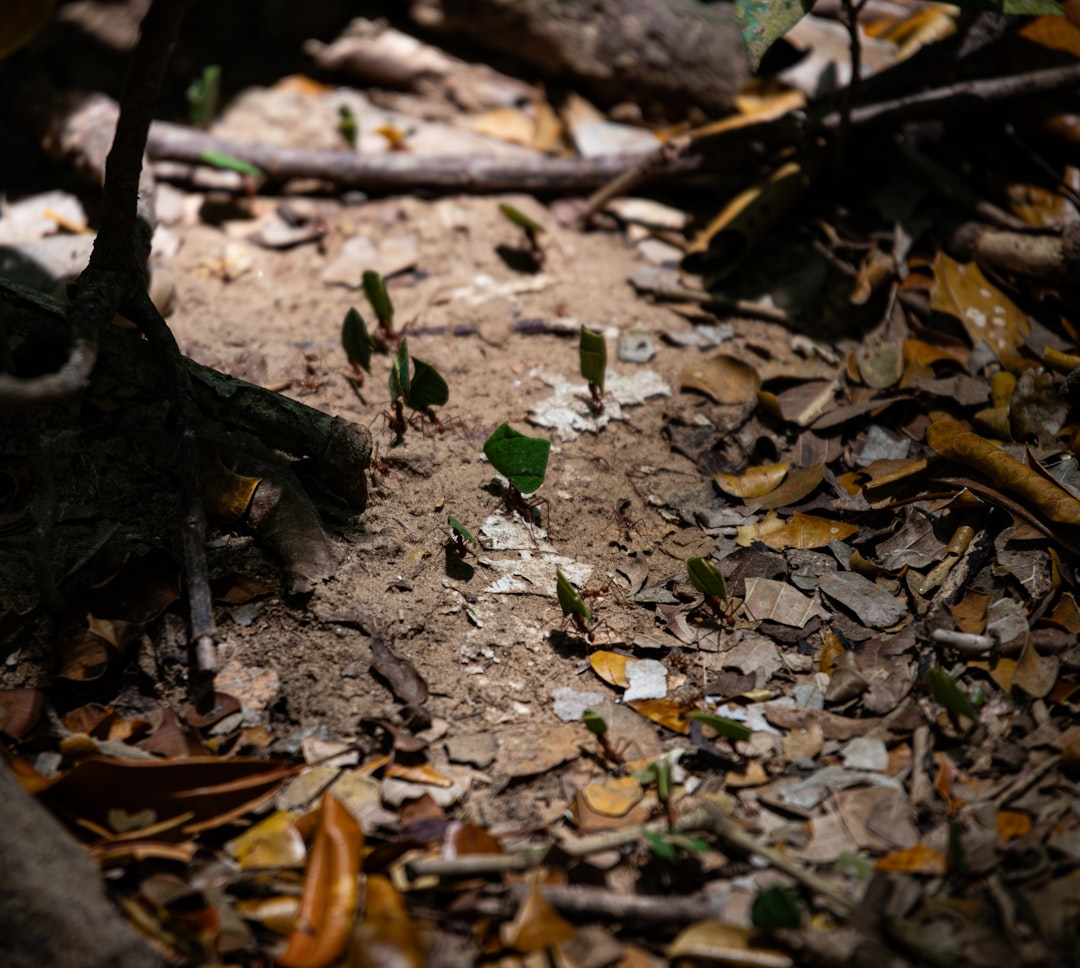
(674, 55)
(53, 909)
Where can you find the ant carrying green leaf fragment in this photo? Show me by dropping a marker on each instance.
(597, 725)
(348, 127)
(573, 606)
(728, 728)
(530, 227)
(945, 690)
(523, 462)
(226, 162)
(381, 305)
(357, 343)
(418, 386)
(459, 535)
(709, 580)
(203, 95)
(592, 355)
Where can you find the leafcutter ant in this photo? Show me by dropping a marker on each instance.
(518, 503)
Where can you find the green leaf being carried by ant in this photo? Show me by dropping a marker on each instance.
(776, 906)
(728, 728)
(203, 94)
(427, 388)
(946, 691)
(707, 578)
(357, 341)
(375, 290)
(520, 219)
(570, 601)
(594, 722)
(348, 127)
(459, 528)
(592, 354)
(521, 460)
(400, 379)
(219, 159)
(668, 846)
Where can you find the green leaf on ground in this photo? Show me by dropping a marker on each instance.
(356, 340)
(570, 601)
(763, 22)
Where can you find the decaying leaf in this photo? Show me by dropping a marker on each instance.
(331, 890)
(723, 378)
(801, 531)
(952, 439)
(754, 482)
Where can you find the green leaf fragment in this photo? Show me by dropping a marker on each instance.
(347, 126)
(219, 159)
(400, 380)
(728, 728)
(707, 578)
(461, 529)
(592, 353)
(594, 723)
(945, 690)
(356, 340)
(520, 219)
(375, 290)
(521, 460)
(427, 387)
(660, 845)
(203, 95)
(570, 601)
(776, 907)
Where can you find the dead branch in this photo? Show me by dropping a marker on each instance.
(396, 172)
(1052, 258)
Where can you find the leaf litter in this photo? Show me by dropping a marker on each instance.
(897, 630)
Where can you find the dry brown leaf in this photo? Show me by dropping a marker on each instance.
(919, 859)
(1036, 674)
(952, 440)
(275, 842)
(386, 935)
(779, 602)
(798, 484)
(331, 890)
(726, 944)
(724, 379)
(754, 481)
(987, 314)
(536, 926)
(611, 667)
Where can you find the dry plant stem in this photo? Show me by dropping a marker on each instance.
(634, 176)
(958, 96)
(727, 830)
(849, 95)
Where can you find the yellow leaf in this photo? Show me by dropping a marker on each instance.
(1012, 824)
(725, 944)
(272, 843)
(611, 667)
(919, 859)
(613, 796)
(666, 712)
(952, 440)
(802, 531)
(421, 773)
(754, 481)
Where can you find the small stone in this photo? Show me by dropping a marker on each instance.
(636, 348)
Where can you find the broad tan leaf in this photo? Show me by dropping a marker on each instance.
(536, 926)
(799, 483)
(386, 936)
(724, 379)
(802, 531)
(987, 314)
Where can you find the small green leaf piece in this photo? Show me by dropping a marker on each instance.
(520, 219)
(945, 690)
(347, 126)
(594, 723)
(775, 907)
(728, 728)
(400, 380)
(521, 460)
(218, 159)
(707, 578)
(570, 601)
(427, 387)
(375, 290)
(356, 340)
(203, 94)
(461, 529)
(592, 353)
(660, 845)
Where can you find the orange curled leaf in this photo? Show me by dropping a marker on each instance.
(331, 890)
(754, 481)
(952, 440)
